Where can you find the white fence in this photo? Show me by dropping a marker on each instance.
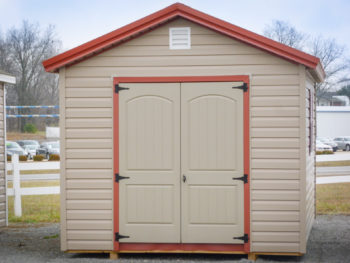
(17, 191)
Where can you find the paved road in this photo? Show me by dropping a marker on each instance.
(36, 177)
(338, 170)
(333, 180)
(329, 242)
(337, 156)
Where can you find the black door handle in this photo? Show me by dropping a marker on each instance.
(184, 178)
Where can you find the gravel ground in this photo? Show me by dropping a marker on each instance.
(329, 242)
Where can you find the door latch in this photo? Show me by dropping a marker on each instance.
(184, 178)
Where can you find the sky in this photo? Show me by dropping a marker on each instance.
(78, 21)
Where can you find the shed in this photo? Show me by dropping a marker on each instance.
(181, 132)
(5, 78)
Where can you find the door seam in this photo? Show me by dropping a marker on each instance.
(180, 153)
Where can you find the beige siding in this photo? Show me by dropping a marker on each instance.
(310, 164)
(307, 160)
(275, 131)
(3, 200)
(63, 172)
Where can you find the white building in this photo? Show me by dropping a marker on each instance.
(333, 121)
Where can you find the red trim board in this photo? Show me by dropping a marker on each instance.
(156, 19)
(183, 247)
(116, 162)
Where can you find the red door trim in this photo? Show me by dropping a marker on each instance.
(183, 247)
(115, 162)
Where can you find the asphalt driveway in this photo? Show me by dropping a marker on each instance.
(329, 242)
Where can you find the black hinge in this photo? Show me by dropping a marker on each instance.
(119, 177)
(117, 88)
(244, 87)
(117, 236)
(244, 178)
(244, 238)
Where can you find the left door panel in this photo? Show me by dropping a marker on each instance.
(149, 154)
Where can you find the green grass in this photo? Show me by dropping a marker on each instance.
(333, 199)
(333, 163)
(37, 209)
(36, 183)
(51, 237)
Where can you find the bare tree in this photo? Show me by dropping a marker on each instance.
(329, 51)
(331, 55)
(285, 33)
(22, 53)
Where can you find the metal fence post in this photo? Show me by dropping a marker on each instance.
(16, 185)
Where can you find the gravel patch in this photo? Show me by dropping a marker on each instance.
(329, 242)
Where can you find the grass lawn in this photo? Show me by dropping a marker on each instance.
(333, 199)
(37, 172)
(36, 208)
(333, 163)
(15, 136)
(36, 183)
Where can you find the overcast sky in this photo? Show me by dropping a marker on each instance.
(78, 21)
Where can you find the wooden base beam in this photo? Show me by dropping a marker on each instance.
(252, 256)
(113, 255)
(294, 254)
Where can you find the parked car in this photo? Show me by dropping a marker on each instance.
(14, 148)
(343, 143)
(321, 147)
(48, 148)
(24, 143)
(31, 150)
(329, 142)
(30, 146)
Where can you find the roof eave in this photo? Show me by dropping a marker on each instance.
(112, 38)
(318, 73)
(157, 18)
(6, 78)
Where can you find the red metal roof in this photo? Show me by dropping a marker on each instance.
(180, 10)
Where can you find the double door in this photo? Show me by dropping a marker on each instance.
(181, 145)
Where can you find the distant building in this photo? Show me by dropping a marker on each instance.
(333, 121)
(331, 99)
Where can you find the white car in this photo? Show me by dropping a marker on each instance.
(321, 147)
(329, 142)
(31, 150)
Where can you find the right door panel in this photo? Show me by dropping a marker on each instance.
(211, 156)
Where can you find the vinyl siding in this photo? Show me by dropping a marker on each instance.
(310, 163)
(3, 200)
(274, 129)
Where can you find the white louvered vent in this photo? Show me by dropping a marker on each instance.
(180, 37)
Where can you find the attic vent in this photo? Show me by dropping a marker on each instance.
(180, 37)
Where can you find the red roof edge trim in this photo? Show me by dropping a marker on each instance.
(170, 12)
(52, 64)
(250, 37)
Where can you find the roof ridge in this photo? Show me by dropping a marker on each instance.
(180, 10)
